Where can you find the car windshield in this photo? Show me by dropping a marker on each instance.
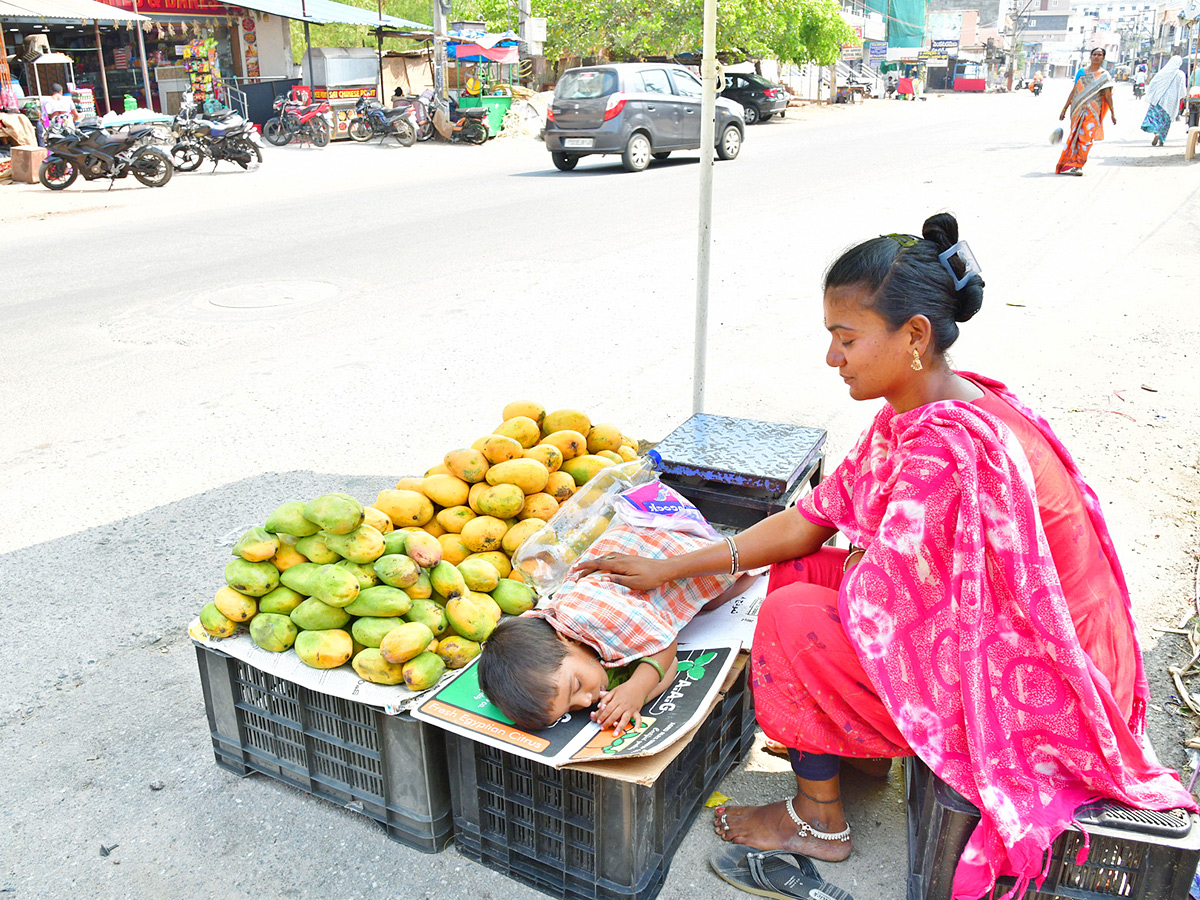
(587, 84)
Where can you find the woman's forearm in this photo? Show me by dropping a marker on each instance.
(785, 535)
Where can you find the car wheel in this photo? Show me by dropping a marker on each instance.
(750, 114)
(637, 153)
(765, 116)
(662, 154)
(730, 144)
(563, 161)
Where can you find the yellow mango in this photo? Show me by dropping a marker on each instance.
(251, 578)
(256, 545)
(538, 506)
(405, 508)
(446, 490)
(423, 671)
(216, 622)
(447, 580)
(473, 497)
(453, 548)
(498, 448)
(627, 441)
(560, 486)
(377, 519)
(497, 559)
(234, 605)
(517, 534)
(478, 575)
(287, 555)
(569, 443)
(424, 549)
(522, 429)
(526, 408)
(433, 527)
(371, 666)
(582, 468)
(410, 483)
(603, 437)
(527, 474)
(501, 500)
(547, 454)
(610, 455)
(456, 651)
(566, 420)
(370, 630)
(468, 464)
(335, 586)
(452, 519)
(422, 589)
(627, 453)
(324, 649)
(471, 618)
(439, 469)
(483, 533)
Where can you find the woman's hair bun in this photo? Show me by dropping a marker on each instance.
(969, 299)
(942, 230)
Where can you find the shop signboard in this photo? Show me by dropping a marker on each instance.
(877, 52)
(944, 45)
(932, 59)
(856, 41)
(350, 93)
(197, 8)
(850, 53)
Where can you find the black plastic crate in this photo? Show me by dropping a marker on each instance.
(577, 835)
(389, 768)
(1133, 854)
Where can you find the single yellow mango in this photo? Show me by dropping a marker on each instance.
(627, 454)
(372, 667)
(522, 429)
(516, 535)
(547, 454)
(377, 519)
(234, 605)
(410, 483)
(569, 443)
(603, 437)
(446, 490)
(216, 622)
(483, 533)
(612, 455)
(405, 508)
(498, 448)
(497, 559)
(453, 548)
(560, 486)
(478, 575)
(439, 469)
(501, 500)
(287, 555)
(324, 649)
(453, 518)
(526, 408)
(468, 464)
(538, 506)
(527, 474)
(433, 527)
(473, 497)
(566, 420)
(582, 468)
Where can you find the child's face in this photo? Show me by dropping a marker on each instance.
(580, 679)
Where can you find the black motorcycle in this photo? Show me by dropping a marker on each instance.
(94, 153)
(224, 135)
(1139, 89)
(373, 119)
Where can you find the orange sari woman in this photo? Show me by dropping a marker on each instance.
(1089, 100)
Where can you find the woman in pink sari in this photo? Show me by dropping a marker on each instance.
(980, 621)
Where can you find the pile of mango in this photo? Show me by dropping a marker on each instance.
(414, 583)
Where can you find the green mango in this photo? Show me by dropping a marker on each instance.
(423, 671)
(364, 572)
(393, 542)
(313, 615)
(336, 513)
(381, 600)
(326, 649)
(282, 600)
(372, 667)
(401, 644)
(273, 632)
(335, 586)
(397, 570)
(256, 545)
(369, 630)
(300, 577)
(421, 589)
(314, 549)
(216, 622)
(362, 545)
(428, 614)
(251, 578)
(289, 519)
(513, 597)
(478, 574)
(447, 580)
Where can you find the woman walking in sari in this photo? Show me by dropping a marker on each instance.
(981, 620)
(1166, 91)
(1090, 98)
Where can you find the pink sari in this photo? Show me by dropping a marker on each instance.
(958, 619)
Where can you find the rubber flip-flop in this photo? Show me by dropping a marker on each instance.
(780, 874)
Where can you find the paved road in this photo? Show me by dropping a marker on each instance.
(177, 362)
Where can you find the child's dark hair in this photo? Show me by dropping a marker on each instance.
(517, 669)
(906, 279)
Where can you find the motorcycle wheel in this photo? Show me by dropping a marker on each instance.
(275, 133)
(359, 129)
(405, 134)
(479, 133)
(320, 132)
(249, 148)
(56, 173)
(151, 167)
(425, 132)
(186, 156)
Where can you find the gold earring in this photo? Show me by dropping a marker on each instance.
(916, 363)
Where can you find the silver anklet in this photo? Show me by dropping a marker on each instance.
(806, 829)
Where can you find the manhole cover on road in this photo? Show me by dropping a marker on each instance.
(268, 294)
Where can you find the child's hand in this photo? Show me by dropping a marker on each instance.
(620, 708)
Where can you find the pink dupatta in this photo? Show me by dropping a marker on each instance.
(960, 623)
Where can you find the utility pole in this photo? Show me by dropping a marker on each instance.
(441, 13)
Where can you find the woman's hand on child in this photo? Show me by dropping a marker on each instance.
(620, 708)
(634, 572)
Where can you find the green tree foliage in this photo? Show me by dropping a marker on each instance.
(336, 35)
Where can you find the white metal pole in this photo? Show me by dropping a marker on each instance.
(142, 52)
(708, 116)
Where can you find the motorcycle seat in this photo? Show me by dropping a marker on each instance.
(474, 112)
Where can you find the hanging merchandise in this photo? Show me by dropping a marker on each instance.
(204, 71)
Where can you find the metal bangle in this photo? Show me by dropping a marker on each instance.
(846, 563)
(733, 556)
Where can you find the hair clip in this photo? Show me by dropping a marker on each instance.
(904, 240)
(966, 257)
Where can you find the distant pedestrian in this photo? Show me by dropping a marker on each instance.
(1164, 94)
(1090, 98)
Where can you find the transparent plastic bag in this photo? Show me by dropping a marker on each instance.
(547, 555)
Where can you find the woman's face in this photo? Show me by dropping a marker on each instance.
(872, 359)
(1098, 57)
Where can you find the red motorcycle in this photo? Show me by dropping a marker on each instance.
(297, 121)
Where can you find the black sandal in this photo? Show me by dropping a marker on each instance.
(780, 874)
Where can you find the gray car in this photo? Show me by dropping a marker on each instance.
(642, 111)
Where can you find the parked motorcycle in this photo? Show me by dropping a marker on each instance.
(297, 121)
(373, 119)
(94, 153)
(216, 136)
(461, 126)
(422, 107)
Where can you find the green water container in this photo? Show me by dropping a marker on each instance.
(130, 104)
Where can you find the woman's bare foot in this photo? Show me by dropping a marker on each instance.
(771, 827)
